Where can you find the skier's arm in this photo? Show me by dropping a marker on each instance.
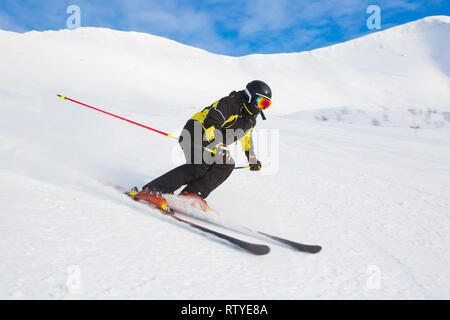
(248, 148)
(247, 145)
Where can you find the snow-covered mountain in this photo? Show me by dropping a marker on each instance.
(373, 193)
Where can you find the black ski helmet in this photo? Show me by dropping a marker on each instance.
(253, 90)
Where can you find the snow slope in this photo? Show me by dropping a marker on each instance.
(376, 197)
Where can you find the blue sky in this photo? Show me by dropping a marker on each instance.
(233, 28)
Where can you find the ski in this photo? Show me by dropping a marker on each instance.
(308, 248)
(258, 249)
(254, 248)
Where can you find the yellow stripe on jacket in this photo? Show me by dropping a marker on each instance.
(201, 116)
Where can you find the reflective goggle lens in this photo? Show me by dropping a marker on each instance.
(262, 103)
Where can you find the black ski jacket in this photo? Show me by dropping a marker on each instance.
(230, 116)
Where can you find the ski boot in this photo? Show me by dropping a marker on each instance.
(196, 200)
(153, 197)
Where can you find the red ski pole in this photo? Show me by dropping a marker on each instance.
(63, 97)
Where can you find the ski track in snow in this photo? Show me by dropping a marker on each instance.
(374, 197)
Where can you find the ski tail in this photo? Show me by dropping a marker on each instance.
(299, 246)
(257, 249)
(215, 220)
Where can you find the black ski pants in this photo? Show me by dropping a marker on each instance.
(200, 175)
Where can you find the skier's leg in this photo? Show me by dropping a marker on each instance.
(175, 178)
(190, 141)
(213, 178)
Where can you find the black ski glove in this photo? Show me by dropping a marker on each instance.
(255, 164)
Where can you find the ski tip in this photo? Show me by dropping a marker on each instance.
(263, 250)
(318, 249)
(61, 96)
(256, 249)
(311, 249)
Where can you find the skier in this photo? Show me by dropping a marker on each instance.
(204, 140)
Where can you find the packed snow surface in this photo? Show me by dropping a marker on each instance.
(358, 162)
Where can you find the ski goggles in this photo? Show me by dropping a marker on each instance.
(262, 103)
